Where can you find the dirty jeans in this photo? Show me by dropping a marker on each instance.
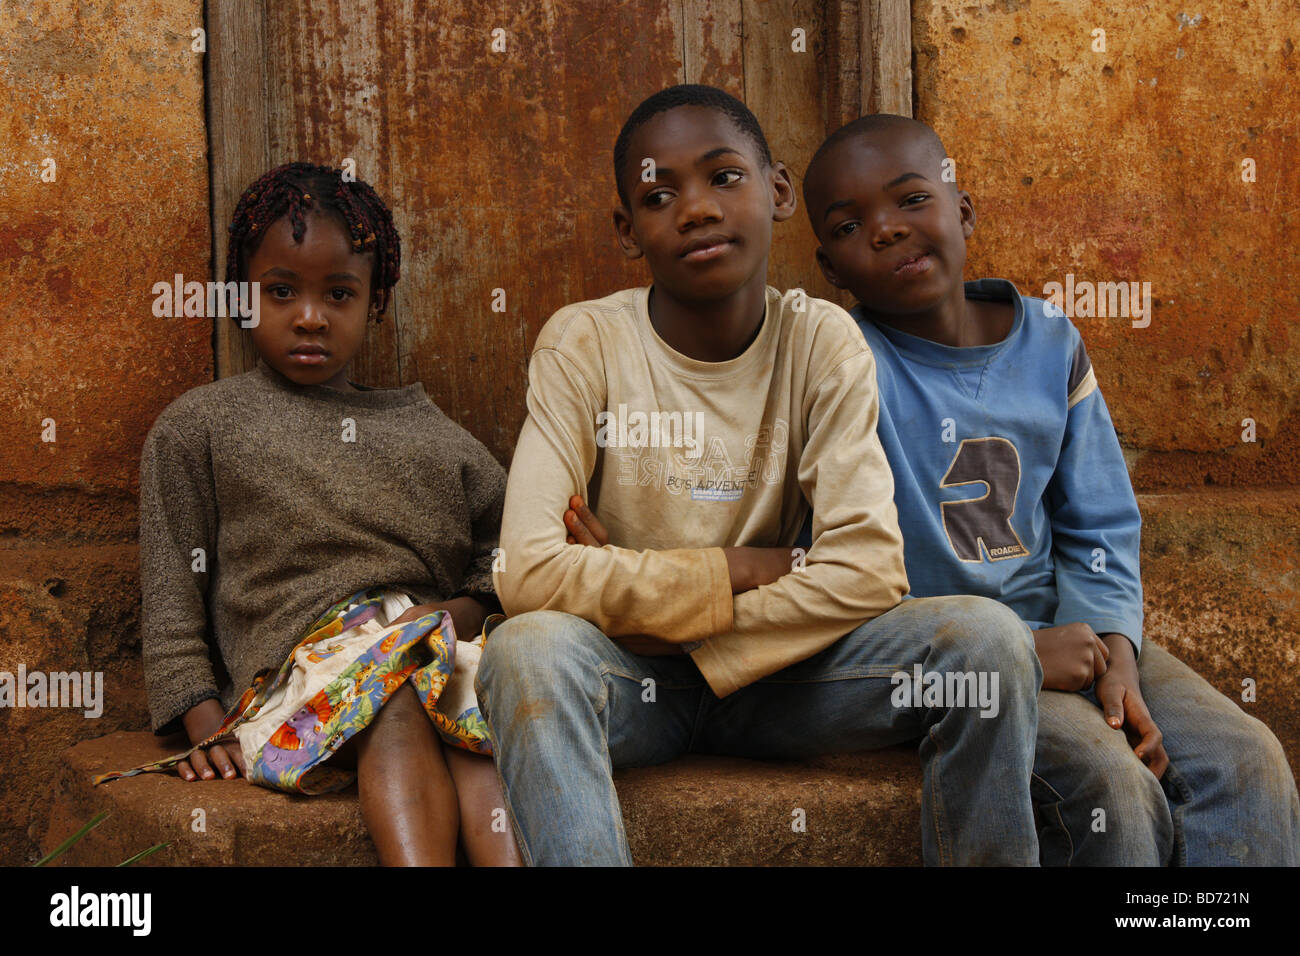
(566, 705)
(1227, 799)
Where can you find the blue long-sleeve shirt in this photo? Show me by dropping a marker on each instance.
(1008, 475)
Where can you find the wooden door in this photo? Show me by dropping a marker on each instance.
(497, 162)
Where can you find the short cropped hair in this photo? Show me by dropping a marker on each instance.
(875, 124)
(686, 94)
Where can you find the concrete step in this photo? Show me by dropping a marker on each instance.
(1221, 571)
(856, 809)
(1221, 581)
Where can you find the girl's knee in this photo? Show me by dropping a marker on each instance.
(402, 718)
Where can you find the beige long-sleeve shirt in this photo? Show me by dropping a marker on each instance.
(681, 458)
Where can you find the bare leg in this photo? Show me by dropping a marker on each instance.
(408, 798)
(482, 805)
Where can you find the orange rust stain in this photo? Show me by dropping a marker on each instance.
(1125, 165)
(122, 118)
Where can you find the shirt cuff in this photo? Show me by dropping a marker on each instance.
(1116, 626)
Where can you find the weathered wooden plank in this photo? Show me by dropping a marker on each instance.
(784, 87)
(869, 59)
(236, 92)
(887, 41)
(712, 44)
(843, 64)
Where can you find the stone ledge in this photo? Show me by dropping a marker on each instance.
(1221, 575)
(859, 809)
(1222, 578)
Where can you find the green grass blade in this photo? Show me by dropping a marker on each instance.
(143, 853)
(63, 847)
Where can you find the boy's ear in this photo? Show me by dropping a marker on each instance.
(626, 236)
(782, 193)
(967, 210)
(828, 270)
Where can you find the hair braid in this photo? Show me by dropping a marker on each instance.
(295, 188)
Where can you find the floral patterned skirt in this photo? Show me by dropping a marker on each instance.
(334, 683)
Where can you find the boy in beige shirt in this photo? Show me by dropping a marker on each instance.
(700, 417)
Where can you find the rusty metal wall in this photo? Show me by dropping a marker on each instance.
(1117, 156)
(103, 192)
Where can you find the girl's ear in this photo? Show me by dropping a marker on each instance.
(377, 303)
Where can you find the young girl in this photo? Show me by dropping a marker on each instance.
(271, 497)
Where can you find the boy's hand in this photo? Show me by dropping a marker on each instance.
(1122, 705)
(753, 567)
(223, 760)
(467, 615)
(749, 567)
(648, 646)
(1072, 656)
(584, 527)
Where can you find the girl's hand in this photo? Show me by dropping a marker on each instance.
(223, 759)
(467, 615)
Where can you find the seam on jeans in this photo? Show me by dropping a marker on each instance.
(1177, 811)
(620, 833)
(602, 700)
(607, 668)
(936, 801)
(700, 714)
(1055, 809)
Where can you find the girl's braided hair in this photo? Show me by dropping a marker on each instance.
(293, 189)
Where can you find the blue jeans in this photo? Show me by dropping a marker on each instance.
(1227, 799)
(566, 705)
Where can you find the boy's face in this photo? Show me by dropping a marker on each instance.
(315, 297)
(892, 232)
(704, 223)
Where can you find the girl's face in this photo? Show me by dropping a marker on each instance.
(315, 297)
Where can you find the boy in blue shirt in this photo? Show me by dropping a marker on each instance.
(1010, 484)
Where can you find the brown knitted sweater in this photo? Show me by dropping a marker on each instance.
(292, 517)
